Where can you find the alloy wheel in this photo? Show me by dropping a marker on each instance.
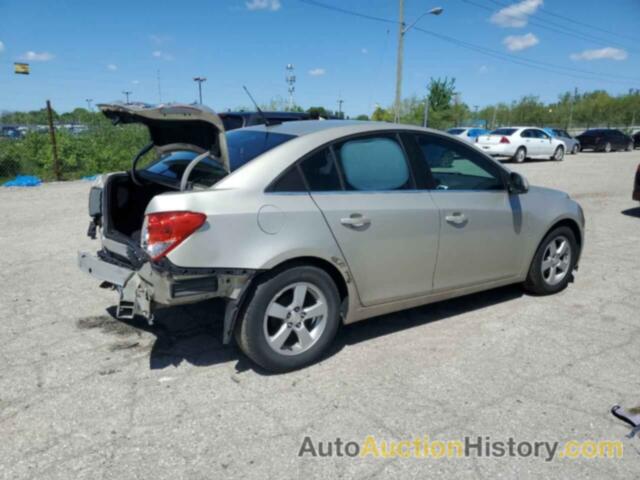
(556, 260)
(295, 319)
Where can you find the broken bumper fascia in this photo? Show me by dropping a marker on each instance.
(161, 284)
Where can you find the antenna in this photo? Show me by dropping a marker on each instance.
(260, 112)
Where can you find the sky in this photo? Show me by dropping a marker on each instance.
(95, 50)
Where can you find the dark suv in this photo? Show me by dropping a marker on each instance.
(605, 140)
(233, 120)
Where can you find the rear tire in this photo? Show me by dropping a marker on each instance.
(288, 339)
(553, 263)
(558, 155)
(607, 147)
(630, 147)
(520, 155)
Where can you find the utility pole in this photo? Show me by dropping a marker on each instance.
(573, 100)
(425, 123)
(159, 87)
(291, 80)
(493, 118)
(54, 145)
(340, 102)
(89, 100)
(401, 32)
(126, 94)
(199, 80)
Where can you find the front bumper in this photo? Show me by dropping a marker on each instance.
(156, 285)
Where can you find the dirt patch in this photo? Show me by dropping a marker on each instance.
(109, 325)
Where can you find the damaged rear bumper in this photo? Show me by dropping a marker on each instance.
(161, 284)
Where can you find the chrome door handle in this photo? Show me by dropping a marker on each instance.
(355, 220)
(456, 218)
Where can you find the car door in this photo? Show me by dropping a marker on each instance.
(545, 144)
(386, 228)
(530, 142)
(480, 222)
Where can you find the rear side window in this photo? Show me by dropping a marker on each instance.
(320, 172)
(504, 131)
(291, 181)
(244, 144)
(373, 163)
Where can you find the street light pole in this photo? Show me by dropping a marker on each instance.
(402, 30)
(126, 94)
(426, 109)
(199, 80)
(89, 100)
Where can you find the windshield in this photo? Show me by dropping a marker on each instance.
(243, 147)
(504, 131)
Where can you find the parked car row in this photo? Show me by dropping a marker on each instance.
(520, 143)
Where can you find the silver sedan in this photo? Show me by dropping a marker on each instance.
(303, 226)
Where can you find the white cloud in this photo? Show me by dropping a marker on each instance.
(272, 5)
(516, 15)
(515, 43)
(317, 72)
(159, 39)
(483, 69)
(37, 56)
(135, 82)
(162, 55)
(113, 67)
(364, 51)
(608, 53)
(1, 47)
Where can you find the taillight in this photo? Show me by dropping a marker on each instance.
(164, 231)
(504, 140)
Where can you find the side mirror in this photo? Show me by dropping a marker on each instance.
(517, 184)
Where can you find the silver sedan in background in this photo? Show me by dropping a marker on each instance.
(303, 226)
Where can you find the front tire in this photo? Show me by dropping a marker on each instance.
(290, 319)
(520, 155)
(607, 147)
(630, 147)
(553, 263)
(558, 155)
(575, 149)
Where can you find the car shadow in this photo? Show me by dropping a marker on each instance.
(632, 212)
(193, 333)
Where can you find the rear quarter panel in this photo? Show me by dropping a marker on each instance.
(252, 230)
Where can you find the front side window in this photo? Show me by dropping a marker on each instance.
(373, 163)
(458, 167)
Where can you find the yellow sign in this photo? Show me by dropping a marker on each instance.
(21, 68)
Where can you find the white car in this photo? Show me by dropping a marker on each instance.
(520, 143)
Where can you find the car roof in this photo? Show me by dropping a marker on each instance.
(268, 114)
(342, 127)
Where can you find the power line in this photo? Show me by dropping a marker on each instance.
(544, 11)
(535, 64)
(556, 27)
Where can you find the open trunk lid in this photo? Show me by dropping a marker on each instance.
(193, 126)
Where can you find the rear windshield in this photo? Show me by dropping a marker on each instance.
(243, 146)
(504, 131)
(455, 131)
(591, 133)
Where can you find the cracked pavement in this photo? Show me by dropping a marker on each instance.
(85, 396)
